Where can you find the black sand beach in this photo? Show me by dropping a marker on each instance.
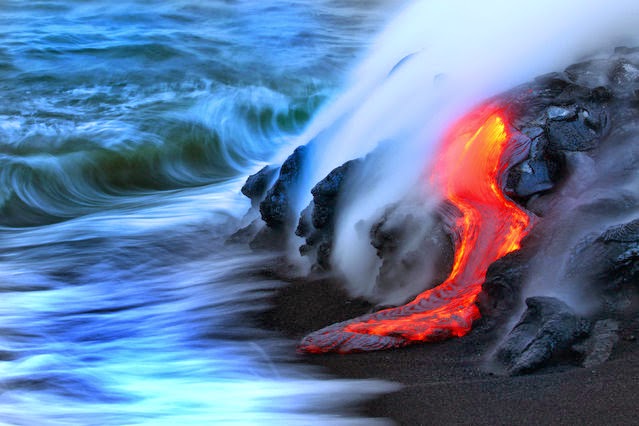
(449, 382)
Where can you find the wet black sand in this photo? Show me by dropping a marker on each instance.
(449, 382)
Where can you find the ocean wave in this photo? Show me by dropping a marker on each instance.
(126, 129)
(55, 166)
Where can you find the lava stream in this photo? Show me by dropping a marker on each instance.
(469, 168)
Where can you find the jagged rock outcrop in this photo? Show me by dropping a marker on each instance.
(415, 248)
(607, 267)
(599, 346)
(547, 328)
(277, 208)
(254, 189)
(584, 127)
(278, 205)
(317, 220)
(501, 290)
(256, 185)
(580, 167)
(574, 111)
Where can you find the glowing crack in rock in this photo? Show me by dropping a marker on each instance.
(469, 169)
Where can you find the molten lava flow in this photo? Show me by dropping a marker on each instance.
(473, 160)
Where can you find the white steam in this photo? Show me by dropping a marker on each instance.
(596, 196)
(456, 54)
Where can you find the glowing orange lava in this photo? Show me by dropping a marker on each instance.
(469, 168)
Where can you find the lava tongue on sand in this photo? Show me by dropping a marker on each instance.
(469, 168)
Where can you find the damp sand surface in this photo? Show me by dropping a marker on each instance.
(449, 382)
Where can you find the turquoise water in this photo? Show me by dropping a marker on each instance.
(101, 100)
(126, 130)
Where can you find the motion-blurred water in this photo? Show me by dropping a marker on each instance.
(126, 129)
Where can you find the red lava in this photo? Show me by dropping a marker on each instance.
(470, 166)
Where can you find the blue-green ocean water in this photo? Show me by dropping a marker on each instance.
(126, 130)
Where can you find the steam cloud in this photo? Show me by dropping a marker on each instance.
(432, 64)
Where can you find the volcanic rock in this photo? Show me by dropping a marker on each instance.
(256, 185)
(624, 72)
(590, 74)
(547, 328)
(317, 220)
(612, 275)
(569, 172)
(575, 135)
(255, 189)
(415, 247)
(557, 113)
(277, 207)
(626, 233)
(540, 169)
(598, 347)
(501, 290)
(531, 177)
(570, 112)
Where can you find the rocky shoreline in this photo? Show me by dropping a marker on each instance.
(578, 178)
(454, 382)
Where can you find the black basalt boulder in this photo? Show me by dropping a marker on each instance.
(599, 346)
(611, 277)
(501, 290)
(547, 328)
(317, 221)
(579, 134)
(415, 246)
(256, 185)
(277, 207)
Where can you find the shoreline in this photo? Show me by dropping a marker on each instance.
(448, 382)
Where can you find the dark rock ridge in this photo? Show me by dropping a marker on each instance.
(547, 329)
(275, 192)
(277, 207)
(414, 245)
(612, 275)
(599, 346)
(501, 290)
(255, 189)
(584, 130)
(317, 220)
(256, 185)
(579, 173)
